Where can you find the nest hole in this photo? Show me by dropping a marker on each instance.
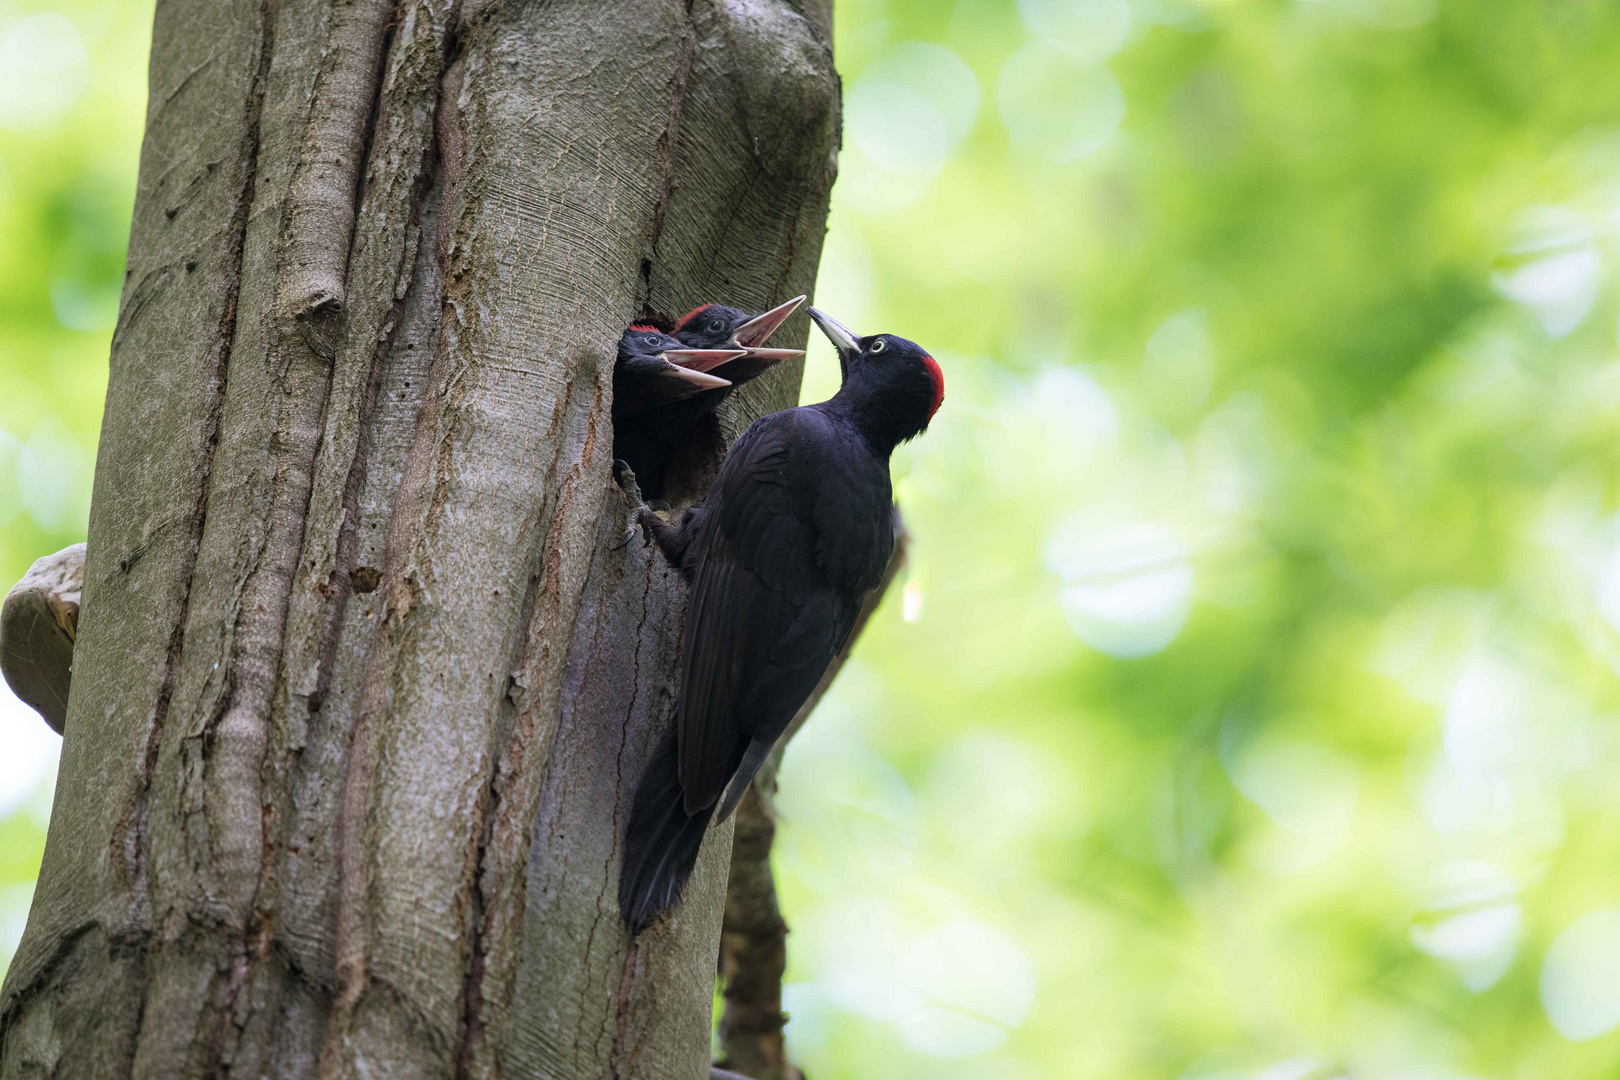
(675, 457)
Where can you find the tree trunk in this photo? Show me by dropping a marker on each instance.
(362, 684)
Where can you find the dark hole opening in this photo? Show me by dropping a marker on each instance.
(675, 451)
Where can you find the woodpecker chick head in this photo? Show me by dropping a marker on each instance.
(710, 326)
(650, 349)
(899, 385)
(716, 326)
(641, 340)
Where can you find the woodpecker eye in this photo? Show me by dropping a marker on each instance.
(717, 324)
(879, 345)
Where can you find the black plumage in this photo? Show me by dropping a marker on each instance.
(796, 531)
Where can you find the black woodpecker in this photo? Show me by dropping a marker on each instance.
(663, 420)
(795, 533)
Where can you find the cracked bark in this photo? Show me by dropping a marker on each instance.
(360, 692)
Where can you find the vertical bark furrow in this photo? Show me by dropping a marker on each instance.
(555, 204)
(205, 839)
(297, 859)
(305, 882)
(565, 1014)
(524, 748)
(399, 517)
(136, 846)
(667, 149)
(537, 678)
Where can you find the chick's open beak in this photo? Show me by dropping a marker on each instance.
(697, 360)
(753, 333)
(683, 382)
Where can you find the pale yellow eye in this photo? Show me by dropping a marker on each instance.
(879, 345)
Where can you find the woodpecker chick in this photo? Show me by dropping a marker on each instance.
(716, 326)
(657, 427)
(655, 369)
(795, 533)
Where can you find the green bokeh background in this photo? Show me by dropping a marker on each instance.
(1249, 707)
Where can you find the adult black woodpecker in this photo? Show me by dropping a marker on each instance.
(795, 533)
(663, 421)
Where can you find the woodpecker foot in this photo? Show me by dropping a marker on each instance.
(625, 478)
(640, 508)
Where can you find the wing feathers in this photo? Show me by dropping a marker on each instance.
(764, 619)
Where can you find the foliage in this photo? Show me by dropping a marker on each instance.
(1248, 705)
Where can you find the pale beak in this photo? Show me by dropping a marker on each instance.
(772, 356)
(701, 380)
(701, 359)
(748, 365)
(843, 338)
(754, 332)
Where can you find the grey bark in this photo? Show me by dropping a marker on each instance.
(360, 689)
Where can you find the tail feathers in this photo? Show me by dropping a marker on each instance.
(753, 758)
(661, 844)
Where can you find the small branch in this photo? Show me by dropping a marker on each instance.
(753, 951)
(753, 939)
(325, 188)
(38, 624)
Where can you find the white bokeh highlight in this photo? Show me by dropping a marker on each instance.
(1127, 586)
(50, 477)
(954, 989)
(1473, 922)
(1560, 269)
(15, 900)
(1090, 30)
(31, 750)
(1056, 107)
(1307, 789)
(43, 70)
(972, 986)
(10, 496)
(1178, 363)
(903, 117)
(1580, 978)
